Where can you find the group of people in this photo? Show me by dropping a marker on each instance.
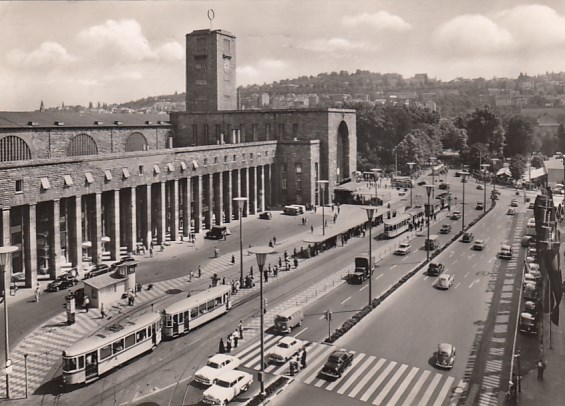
(231, 340)
(298, 362)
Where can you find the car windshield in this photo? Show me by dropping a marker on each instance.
(214, 365)
(284, 345)
(223, 384)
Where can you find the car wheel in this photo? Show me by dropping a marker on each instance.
(245, 388)
(56, 289)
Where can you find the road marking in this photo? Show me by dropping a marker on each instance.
(346, 300)
(378, 381)
(363, 288)
(474, 282)
(443, 393)
(356, 360)
(394, 266)
(458, 283)
(356, 375)
(412, 395)
(378, 276)
(322, 317)
(368, 376)
(405, 382)
(300, 332)
(424, 400)
(464, 276)
(389, 385)
(455, 261)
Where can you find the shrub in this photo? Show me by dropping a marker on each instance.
(269, 391)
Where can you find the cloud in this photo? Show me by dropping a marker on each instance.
(170, 52)
(47, 54)
(265, 69)
(472, 34)
(382, 20)
(334, 45)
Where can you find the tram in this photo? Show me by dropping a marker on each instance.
(192, 312)
(93, 356)
(397, 225)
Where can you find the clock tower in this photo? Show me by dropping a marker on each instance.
(210, 71)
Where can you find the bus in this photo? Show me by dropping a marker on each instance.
(192, 312)
(397, 225)
(93, 356)
(401, 182)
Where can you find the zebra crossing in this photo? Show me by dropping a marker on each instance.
(369, 379)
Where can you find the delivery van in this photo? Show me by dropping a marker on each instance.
(289, 318)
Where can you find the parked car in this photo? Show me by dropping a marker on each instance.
(511, 211)
(215, 366)
(505, 252)
(435, 269)
(479, 206)
(337, 363)
(96, 270)
(445, 229)
(217, 233)
(445, 356)
(456, 215)
(422, 183)
(444, 281)
(527, 239)
(64, 281)
(514, 203)
(468, 237)
(479, 245)
(285, 349)
(266, 215)
(480, 187)
(403, 249)
(531, 205)
(227, 387)
(444, 186)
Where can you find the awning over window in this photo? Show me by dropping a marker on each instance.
(89, 178)
(182, 165)
(45, 183)
(194, 165)
(170, 167)
(156, 169)
(68, 180)
(125, 171)
(108, 174)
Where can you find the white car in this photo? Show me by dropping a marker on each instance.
(285, 349)
(227, 387)
(216, 365)
(403, 249)
(444, 281)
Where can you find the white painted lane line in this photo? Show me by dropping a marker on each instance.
(369, 392)
(466, 275)
(431, 388)
(379, 276)
(394, 266)
(458, 283)
(405, 382)
(300, 332)
(416, 388)
(356, 375)
(316, 363)
(474, 282)
(443, 393)
(363, 288)
(383, 394)
(368, 376)
(346, 300)
(322, 317)
(356, 360)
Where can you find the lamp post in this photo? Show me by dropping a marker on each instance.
(485, 166)
(494, 161)
(261, 255)
(370, 211)
(463, 181)
(5, 258)
(240, 203)
(375, 177)
(411, 164)
(432, 160)
(519, 374)
(429, 189)
(322, 184)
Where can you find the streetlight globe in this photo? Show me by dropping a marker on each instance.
(429, 189)
(5, 253)
(370, 212)
(261, 254)
(240, 201)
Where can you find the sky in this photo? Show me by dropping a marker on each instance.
(78, 52)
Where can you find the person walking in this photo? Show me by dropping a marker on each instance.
(86, 303)
(251, 271)
(228, 344)
(151, 251)
(541, 367)
(199, 271)
(266, 275)
(240, 330)
(37, 293)
(235, 338)
(274, 239)
(222, 348)
(303, 358)
(312, 229)
(102, 312)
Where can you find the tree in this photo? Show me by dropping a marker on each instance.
(519, 136)
(537, 161)
(451, 136)
(484, 126)
(517, 166)
(561, 138)
(475, 155)
(417, 146)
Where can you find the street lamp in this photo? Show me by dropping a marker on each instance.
(429, 189)
(240, 203)
(494, 161)
(411, 164)
(432, 160)
(261, 254)
(485, 166)
(463, 181)
(375, 178)
(5, 258)
(370, 211)
(322, 185)
(519, 374)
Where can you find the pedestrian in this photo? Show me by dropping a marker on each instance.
(275, 239)
(86, 303)
(216, 252)
(224, 280)
(36, 294)
(199, 271)
(235, 339)
(280, 262)
(162, 247)
(266, 275)
(303, 358)
(295, 263)
(102, 312)
(222, 348)
(240, 330)
(275, 271)
(251, 271)
(541, 367)
(312, 229)
(228, 344)
(233, 259)
(151, 251)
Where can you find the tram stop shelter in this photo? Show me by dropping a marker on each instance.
(109, 289)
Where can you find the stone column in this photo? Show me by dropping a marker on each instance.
(252, 189)
(209, 200)
(132, 220)
(198, 205)
(6, 236)
(186, 208)
(268, 195)
(114, 233)
(162, 213)
(175, 210)
(148, 231)
(75, 229)
(97, 232)
(219, 197)
(30, 246)
(262, 188)
(55, 233)
(236, 186)
(228, 197)
(244, 188)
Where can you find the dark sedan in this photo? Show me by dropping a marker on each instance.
(336, 364)
(62, 282)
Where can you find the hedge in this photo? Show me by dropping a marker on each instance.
(269, 391)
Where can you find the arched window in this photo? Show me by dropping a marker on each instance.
(13, 148)
(82, 144)
(136, 142)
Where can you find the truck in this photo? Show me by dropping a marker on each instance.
(362, 272)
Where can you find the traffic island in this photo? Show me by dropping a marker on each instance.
(270, 392)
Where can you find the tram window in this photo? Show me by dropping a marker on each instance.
(105, 352)
(130, 340)
(175, 319)
(218, 301)
(194, 313)
(118, 346)
(81, 362)
(141, 334)
(181, 318)
(149, 331)
(69, 364)
(210, 305)
(202, 308)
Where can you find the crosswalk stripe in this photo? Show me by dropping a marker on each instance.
(403, 386)
(368, 376)
(316, 364)
(245, 354)
(356, 360)
(356, 375)
(412, 395)
(378, 381)
(424, 400)
(443, 393)
(382, 395)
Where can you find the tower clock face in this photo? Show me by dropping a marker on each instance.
(227, 65)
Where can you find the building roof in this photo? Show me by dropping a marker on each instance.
(103, 281)
(68, 119)
(553, 164)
